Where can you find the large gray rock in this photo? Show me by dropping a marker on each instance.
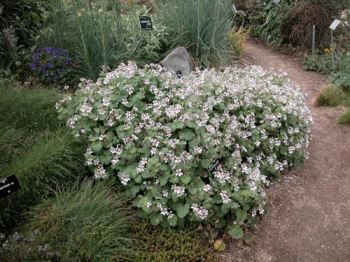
(179, 61)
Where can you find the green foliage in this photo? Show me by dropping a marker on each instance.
(344, 118)
(267, 18)
(290, 21)
(159, 135)
(331, 96)
(140, 46)
(158, 244)
(32, 110)
(323, 63)
(52, 160)
(98, 35)
(20, 22)
(319, 62)
(88, 223)
(91, 33)
(35, 147)
(202, 26)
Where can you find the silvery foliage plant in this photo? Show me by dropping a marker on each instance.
(199, 149)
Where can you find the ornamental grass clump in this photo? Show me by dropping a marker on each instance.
(197, 149)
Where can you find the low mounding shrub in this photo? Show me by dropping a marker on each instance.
(197, 149)
(86, 224)
(331, 96)
(344, 118)
(157, 244)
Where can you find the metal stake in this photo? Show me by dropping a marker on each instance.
(313, 39)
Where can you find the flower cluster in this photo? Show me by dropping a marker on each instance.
(50, 64)
(199, 148)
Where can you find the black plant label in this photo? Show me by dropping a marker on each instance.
(213, 166)
(9, 185)
(146, 23)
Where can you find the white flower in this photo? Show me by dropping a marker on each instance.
(206, 188)
(224, 197)
(179, 191)
(199, 211)
(124, 179)
(100, 173)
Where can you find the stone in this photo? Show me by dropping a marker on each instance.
(179, 61)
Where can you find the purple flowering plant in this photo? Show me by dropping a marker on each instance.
(51, 65)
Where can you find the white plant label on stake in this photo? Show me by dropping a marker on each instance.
(276, 1)
(335, 24)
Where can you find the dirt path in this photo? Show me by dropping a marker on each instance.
(309, 211)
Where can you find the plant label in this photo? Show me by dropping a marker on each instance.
(146, 23)
(179, 73)
(276, 1)
(335, 24)
(9, 185)
(213, 166)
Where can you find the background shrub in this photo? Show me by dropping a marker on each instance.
(266, 19)
(88, 223)
(297, 24)
(20, 22)
(159, 135)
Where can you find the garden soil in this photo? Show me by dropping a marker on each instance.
(308, 216)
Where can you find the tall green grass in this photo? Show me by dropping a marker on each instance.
(32, 110)
(36, 147)
(203, 26)
(90, 30)
(54, 159)
(86, 223)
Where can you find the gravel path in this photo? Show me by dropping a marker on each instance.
(309, 210)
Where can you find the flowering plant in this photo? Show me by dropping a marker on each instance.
(200, 148)
(51, 65)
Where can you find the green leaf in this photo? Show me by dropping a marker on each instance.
(182, 210)
(172, 220)
(143, 203)
(186, 134)
(205, 163)
(156, 219)
(96, 146)
(186, 179)
(134, 190)
(236, 232)
(241, 215)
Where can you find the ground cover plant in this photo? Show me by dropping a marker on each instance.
(192, 150)
(156, 244)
